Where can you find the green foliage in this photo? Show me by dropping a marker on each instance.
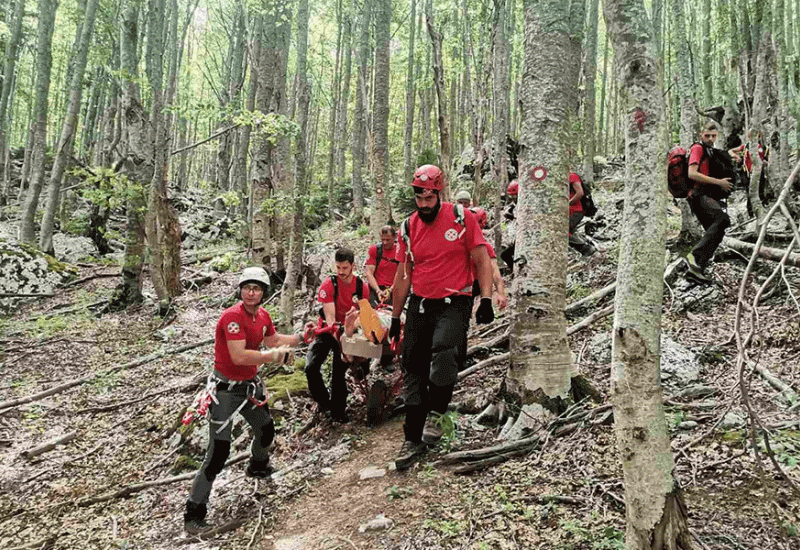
(223, 263)
(427, 156)
(47, 327)
(603, 538)
(270, 126)
(446, 528)
(76, 224)
(362, 230)
(230, 198)
(106, 187)
(396, 493)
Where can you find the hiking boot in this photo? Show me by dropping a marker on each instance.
(260, 469)
(408, 452)
(432, 432)
(194, 518)
(197, 527)
(694, 269)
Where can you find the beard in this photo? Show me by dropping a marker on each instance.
(428, 214)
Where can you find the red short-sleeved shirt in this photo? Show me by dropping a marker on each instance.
(441, 250)
(697, 156)
(577, 207)
(236, 324)
(384, 273)
(347, 295)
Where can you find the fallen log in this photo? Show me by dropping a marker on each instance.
(773, 254)
(485, 346)
(591, 298)
(49, 445)
(488, 452)
(89, 377)
(131, 489)
(585, 322)
(491, 361)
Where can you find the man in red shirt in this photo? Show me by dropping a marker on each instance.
(707, 200)
(436, 251)
(576, 215)
(381, 266)
(234, 386)
(338, 294)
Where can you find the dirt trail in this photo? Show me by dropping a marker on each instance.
(329, 514)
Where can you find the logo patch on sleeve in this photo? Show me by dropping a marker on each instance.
(233, 328)
(322, 294)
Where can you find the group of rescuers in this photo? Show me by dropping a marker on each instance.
(439, 264)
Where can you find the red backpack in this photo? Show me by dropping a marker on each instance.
(678, 181)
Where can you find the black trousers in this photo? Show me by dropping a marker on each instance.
(712, 216)
(318, 352)
(434, 348)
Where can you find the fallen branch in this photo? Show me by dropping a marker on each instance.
(131, 489)
(49, 446)
(490, 362)
(586, 321)
(486, 346)
(591, 298)
(773, 254)
(89, 377)
(487, 452)
(112, 406)
(786, 390)
(90, 277)
(209, 138)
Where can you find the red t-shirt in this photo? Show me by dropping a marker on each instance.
(577, 207)
(384, 273)
(347, 295)
(441, 253)
(236, 324)
(697, 156)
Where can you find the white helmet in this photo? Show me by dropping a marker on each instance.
(255, 275)
(463, 195)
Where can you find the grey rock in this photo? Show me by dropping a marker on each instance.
(380, 523)
(371, 472)
(687, 425)
(25, 270)
(732, 421)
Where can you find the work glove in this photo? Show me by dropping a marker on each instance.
(394, 330)
(485, 313)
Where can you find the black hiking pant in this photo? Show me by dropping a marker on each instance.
(712, 216)
(434, 346)
(336, 401)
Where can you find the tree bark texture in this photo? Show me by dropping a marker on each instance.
(441, 96)
(359, 153)
(9, 66)
(411, 93)
(44, 60)
(500, 99)
(64, 148)
(656, 517)
(380, 122)
(541, 361)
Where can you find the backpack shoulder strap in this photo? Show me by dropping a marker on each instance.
(458, 212)
(405, 234)
(378, 254)
(335, 281)
(359, 288)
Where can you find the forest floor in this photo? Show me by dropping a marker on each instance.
(118, 420)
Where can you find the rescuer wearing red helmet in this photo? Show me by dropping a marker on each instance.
(437, 247)
(513, 188)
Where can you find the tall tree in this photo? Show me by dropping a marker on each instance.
(137, 159)
(358, 146)
(541, 365)
(500, 98)
(301, 168)
(64, 148)
(411, 93)
(441, 97)
(655, 511)
(9, 67)
(340, 130)
(44, 60)
(589, 112)
(380, 123)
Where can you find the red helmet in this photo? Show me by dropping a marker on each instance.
(480, 216)
(513, 188)
(428, 177)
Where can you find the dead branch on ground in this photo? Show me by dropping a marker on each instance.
(5, 405)
(49, 445)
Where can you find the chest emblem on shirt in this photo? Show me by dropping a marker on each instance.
(355, 299)
(451, 234)
(233, 328)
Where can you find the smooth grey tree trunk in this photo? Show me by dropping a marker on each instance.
(64, 148)
(295, 263)
(411, 94)
(441, 98)
(9, 68)
(500, 99)
(44, 59)
(655, 511)
(358, 146)
(541, 367)
(380, 123)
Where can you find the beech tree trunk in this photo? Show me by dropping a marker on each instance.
(411, 93)
(44, 59)
(380, 123)
(64, 148)
(9, 66)
(541, 365)
(360, 113)
(441, 96)
(655, 512)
